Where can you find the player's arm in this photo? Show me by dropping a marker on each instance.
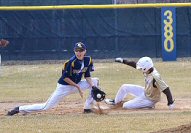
(87, 74)
(95, 90)
(70, 82)
(127, 62)
(170, 100)
(66, 74)
(89, 80)
(165, 89)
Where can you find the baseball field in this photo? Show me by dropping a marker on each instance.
(33, 82)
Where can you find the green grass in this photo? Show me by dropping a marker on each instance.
(133, 123)
(35, 83)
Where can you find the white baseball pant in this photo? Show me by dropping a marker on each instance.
(60, 92)
(140, 100)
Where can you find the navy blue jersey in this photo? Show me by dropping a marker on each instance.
(75, 69)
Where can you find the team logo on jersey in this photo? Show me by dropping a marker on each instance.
(77, 71)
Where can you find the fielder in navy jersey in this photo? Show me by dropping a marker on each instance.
(70, 82)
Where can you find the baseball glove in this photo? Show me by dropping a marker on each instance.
(3, 43)
(97, 94)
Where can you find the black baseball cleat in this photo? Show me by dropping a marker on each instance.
(86, 111)
(13, 112)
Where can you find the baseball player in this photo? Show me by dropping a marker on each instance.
(147, 96)
(70, 82)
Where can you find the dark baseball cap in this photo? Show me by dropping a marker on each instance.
(79, 46)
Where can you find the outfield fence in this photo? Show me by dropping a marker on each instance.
(127, 30)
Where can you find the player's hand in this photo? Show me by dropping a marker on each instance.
(80, 91)
(119, 60)
(171, 106)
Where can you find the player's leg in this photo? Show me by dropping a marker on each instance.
(64, 90)
(138, 103)
(84, 85)
(57, 95)
(126, 89)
